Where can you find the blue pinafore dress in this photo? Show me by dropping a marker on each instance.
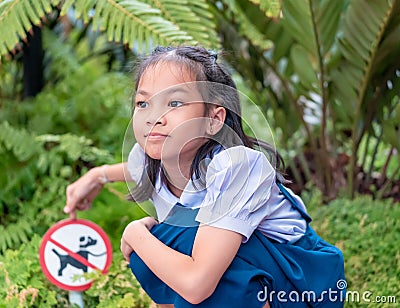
(306, 273)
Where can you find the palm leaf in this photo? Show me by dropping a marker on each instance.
(389, 48)
(313, 24)
(17, 18)
(247, 27)
(364, 26)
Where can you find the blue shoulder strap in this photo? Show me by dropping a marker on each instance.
(288, 196)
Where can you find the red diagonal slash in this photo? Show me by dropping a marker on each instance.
(77, 257)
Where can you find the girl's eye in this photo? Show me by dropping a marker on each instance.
(141, 104)
(175, 104)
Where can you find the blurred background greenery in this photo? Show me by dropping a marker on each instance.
(325, 75)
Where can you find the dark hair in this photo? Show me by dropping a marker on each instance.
(202, 63)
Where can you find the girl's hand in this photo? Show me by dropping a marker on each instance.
(133, 230)
(126, 250)
(149, 222)
(82, 192)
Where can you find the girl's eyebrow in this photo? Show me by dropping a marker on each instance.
(167, 92)
(142, 92)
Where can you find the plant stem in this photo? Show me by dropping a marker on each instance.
(323, 153)
(385, 167)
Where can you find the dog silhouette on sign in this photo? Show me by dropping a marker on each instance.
(85, 242)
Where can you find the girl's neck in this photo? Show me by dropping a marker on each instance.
(177, 177)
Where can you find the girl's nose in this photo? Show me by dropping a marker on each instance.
(156, 119)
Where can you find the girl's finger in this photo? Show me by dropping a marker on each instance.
(72, 215)
(150, 222)
(126, 250)
(68, 208)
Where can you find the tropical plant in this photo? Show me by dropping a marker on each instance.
(138, 24)
(328, 70)
(22, 283)
(37, 170)
(324, 73)
(368, 237)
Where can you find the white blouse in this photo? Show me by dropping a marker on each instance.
(240, 195)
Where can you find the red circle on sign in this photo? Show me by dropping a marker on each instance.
(47, 238)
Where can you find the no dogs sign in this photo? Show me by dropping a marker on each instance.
(71, 248)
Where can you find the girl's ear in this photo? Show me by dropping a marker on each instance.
(217, 117)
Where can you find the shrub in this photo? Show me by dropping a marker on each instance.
(368, 232)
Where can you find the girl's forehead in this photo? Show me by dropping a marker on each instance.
(165, 75)
(176, 71)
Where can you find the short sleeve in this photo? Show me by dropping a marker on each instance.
(238, 183)
(136, 162)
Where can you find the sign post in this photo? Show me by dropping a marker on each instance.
(71, 248)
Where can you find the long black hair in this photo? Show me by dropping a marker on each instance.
(203, 64)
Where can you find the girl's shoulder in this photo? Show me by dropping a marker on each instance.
(239, 157)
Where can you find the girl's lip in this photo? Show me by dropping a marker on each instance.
(155, 136)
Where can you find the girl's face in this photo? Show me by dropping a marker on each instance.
(169, 119)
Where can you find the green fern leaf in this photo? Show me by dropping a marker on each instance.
(26, 227)
(17, 18)
(3, 244)
(66, 6)
(141, 24)
(271, 8)
(192, 17)
(7, 238)
(85, 8)
(15, 234)
(46, 4)
(18, 141)
(33, 15)
(23, 17)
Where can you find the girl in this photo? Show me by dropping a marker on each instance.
(228, 234)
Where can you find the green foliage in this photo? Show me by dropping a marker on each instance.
(138, 24)
(364, 25)
(325, 68)
(368, 233)
(270, 8)
(38, 169)
(22, 283)
(244, 16)
(18, 17)
(118, 288)
(330, 77)
(64, 106)
(21, 279)
(112, 212)
(323, 71)
(366, 230)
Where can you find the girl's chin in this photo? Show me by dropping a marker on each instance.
(164, 156)
(153, 154)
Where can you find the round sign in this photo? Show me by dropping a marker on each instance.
(71, 248)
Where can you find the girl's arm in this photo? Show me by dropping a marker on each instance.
(193, 277)
(82, 192)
